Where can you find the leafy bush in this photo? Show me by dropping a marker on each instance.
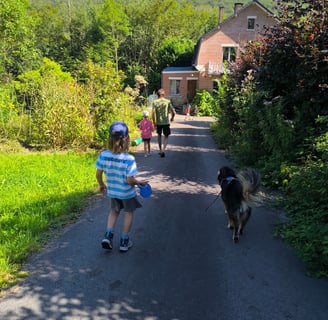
(306, 206)
(12, 120)
(66, 113)
(59, 118)
(204, 101)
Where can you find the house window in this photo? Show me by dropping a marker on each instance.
(251, 23)
(175, 87)
(229, 54)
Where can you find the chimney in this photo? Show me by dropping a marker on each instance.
(237, 7)
(221, 11)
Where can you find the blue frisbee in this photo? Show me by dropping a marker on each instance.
(145, 191)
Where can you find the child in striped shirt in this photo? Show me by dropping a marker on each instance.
(119, 168)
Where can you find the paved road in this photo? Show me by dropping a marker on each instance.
(183, 266)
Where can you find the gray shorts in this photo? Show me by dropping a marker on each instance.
(129, 205)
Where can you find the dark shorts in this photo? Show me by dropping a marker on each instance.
(146, 140)
(129, 205)
(165, 128)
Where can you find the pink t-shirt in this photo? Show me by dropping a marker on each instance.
(146, 127)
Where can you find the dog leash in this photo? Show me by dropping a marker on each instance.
(214, 201)
(229, 179)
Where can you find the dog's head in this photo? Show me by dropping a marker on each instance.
(224, 173)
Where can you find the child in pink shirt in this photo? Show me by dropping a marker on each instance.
(146, 127)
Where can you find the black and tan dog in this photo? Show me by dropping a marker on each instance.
(239, 195)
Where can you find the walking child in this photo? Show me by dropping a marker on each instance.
(119, 168)
(196, 111)
(187, 111)
(146, 127)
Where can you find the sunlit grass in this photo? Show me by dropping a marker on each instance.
(39, 192)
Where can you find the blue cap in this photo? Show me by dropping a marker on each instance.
(119, 128)
(145, 191)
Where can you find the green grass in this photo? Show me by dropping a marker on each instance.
(39, 192)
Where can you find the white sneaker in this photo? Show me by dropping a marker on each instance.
(125, 245)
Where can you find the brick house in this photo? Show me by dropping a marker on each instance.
(220, 44)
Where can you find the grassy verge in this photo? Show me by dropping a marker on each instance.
(39, 192)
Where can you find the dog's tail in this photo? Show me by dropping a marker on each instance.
(250, 180)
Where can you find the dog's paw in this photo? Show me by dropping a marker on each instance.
(230, 226)
(235, 237)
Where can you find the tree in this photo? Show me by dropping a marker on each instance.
(63, 32)
(296, 63)
(112, 27)
(51, 33)
(153, 31)
(176, 52)
(17, 46)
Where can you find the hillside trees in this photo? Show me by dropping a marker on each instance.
(156, 28)
(112, 26)
(63, 33)
(134, 34)
(17, 41)
(68, 97)
(17, 54)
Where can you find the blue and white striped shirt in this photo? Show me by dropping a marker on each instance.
(117, 167)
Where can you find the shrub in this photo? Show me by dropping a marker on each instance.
(306, 206)
(205, 102)
(65, 113)
(59, 115)
(13, 120)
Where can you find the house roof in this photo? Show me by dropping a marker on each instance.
(209, 33)
(178, 69)
(243, 8)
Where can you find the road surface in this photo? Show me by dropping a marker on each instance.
(183, 265)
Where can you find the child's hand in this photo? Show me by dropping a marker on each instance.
(103, 189)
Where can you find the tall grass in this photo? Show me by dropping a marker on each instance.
(38, 192)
